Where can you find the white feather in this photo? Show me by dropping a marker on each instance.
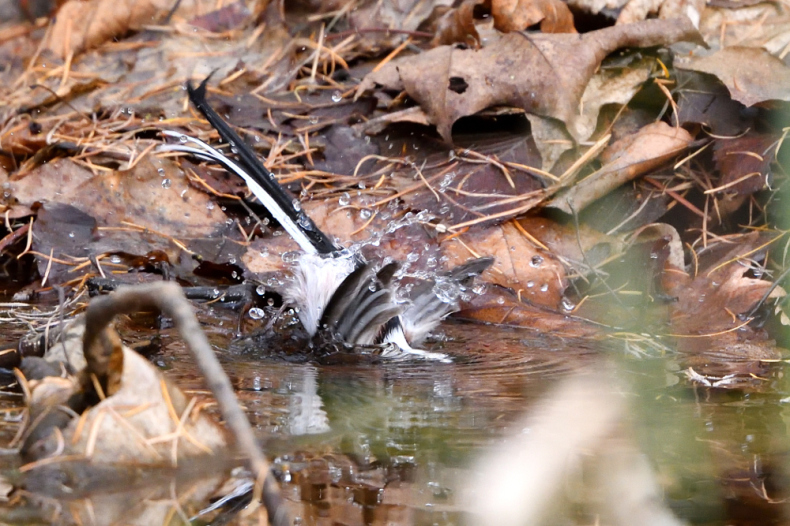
(316, 278)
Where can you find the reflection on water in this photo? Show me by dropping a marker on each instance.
(396, 443)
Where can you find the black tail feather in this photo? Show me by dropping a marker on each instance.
(249, 161)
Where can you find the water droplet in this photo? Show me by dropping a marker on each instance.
(166, 183)
(304, 221)
(182, 139)
(479, 289)
(536, 261)
(344, 200)
(412, 257)
(500, 300)
(654, 255)
(337, 96)
(530, 284)
(544, 287)
(256, 314)
(567, 305)
(115, 258)
(161, 172)
(290, 257)
(71, 235)
(365, 213)
(260, 290)
(446, 290)
(296, 204)
(313, 119)
(361, 185)
(431, 262)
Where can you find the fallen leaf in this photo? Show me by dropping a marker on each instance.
(707, 316)
(518, 15)
(502, 307)
(752, 75)
(458, 25)
(81, 25)
(154, 194)
(535, 274)
(744, 163)
(702, 99)
(625, 160)
(750, 24)
(637, 10)
(545, 74)
(141, 386)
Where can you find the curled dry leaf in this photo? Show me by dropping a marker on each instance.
(545, 74)
(140, 399)
(518, 15)
(458, 25)
(625, 160)
(752, 75)
(706, 314)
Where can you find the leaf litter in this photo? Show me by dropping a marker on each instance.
(428, 132)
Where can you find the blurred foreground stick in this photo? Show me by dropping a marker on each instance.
(169, 298)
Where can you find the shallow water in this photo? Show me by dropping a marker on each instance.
(396, 443)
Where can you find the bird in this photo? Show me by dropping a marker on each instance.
(336, 292)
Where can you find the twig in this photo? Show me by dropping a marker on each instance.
(169, 298)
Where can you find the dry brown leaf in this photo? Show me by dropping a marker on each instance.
(458, 25)
(545, 74)
(744, 163)
(504, 308)
(752, 75)
(536, 275)
(709, 304)
(637, 10)
(154, 194)
(625, 160)
(81, 25)
(762, 24)
(518, 15)
(144, 403)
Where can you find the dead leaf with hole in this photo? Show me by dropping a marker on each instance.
(625, 160)
(545, 74)
(752, 75)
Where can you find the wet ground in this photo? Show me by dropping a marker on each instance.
(395, 443)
